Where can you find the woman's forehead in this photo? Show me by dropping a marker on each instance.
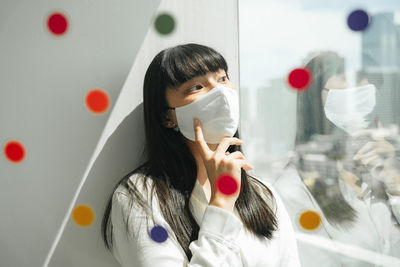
(209, 73)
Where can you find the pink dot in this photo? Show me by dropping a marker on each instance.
(57, 23)
(299, 79)
(14, 151)
(97, 101)
(227, 185)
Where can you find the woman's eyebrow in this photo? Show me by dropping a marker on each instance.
(222, 73)
(191, 81)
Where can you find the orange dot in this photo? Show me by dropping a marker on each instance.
(83, 215)
(310, 220)
(14, 151)
(97, 101)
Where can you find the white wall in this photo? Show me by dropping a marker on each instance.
(75, 157)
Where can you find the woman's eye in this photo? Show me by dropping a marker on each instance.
(225, 78)
(197, 86)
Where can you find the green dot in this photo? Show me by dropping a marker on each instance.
(165, 24)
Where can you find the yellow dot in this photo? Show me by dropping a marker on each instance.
(310, 220)
(83, 215)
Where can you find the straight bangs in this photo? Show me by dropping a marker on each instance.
(182, 63)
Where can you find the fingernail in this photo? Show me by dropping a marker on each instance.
(195, 121)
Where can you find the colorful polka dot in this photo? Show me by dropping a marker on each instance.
(14, 151)
(358, 20)
(158, 234)
(57, 23)
(299, 79)
(227, 185)
(164, 24)
(83, 215)
(97, 101)
(310, 220)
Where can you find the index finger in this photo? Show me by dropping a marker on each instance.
(201, 143)
(374, 133)
(364, 149)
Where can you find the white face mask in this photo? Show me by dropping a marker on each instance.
(218, 111)
(349, 108)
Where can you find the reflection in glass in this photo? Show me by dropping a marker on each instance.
(345, 159)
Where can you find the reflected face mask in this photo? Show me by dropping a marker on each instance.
(218, 111)
(349, 108)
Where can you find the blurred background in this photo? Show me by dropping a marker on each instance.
(279, 36)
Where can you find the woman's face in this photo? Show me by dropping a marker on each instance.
(192, 90)
(337, 81)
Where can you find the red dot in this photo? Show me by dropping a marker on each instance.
(14, 151)
(227, 185)
(299, 79)
(57, 23)
(97, 101)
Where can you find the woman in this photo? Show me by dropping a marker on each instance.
(194, 222)
(328, 113)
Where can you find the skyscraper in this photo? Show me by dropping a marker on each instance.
(381, 64)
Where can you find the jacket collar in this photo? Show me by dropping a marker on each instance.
(198, 202)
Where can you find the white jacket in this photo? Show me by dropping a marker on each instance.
(222, 239)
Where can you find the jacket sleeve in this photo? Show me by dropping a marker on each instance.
(214, 247)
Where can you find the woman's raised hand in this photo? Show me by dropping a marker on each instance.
(219, 163)
(379, 156)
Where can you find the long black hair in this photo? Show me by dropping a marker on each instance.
(169, 162)
(311, 121)
(311, 118)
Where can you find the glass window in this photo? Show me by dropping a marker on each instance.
(320, 110)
